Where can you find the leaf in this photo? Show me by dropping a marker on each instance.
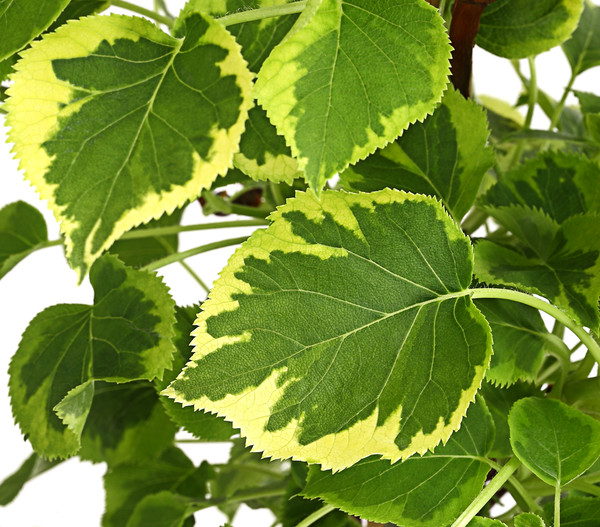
(78, 9)
(528, 519)
(566, 270)
(204, 426)
(163, 509)
(519, 339)
(135, 122)
(517, 29)
(561, 185)
(23, 20)
(350, 77)
(22, 231)
(589, 102)
(353, 361)
(556, 442)
(478, 521)
(125, 423)
(499, 401)
(138, 252)
(125, 335)
(411, 493)
(583, 48)
(584, 395)
(444, 156)
(33, 466)
(296, 509)
(128, 484)
(576, 511)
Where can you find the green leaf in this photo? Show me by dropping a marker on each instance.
(126, 422)
(561, 185)
(556, 442)
(128, 484)
(519, 338)
(583, 48)
(204, 426)
(297, 508)
(350, 77)
(478, 521)
(529, 520)
(163, 509)
(376, 347)
(584, 395)
(444, 156)
(22, 231)
(410, 493)
(576, 511)
(135, 122)
(589, 102)
(499, 401)
(125, 335)
(565, 267)
(22, 21)
(33, 466)
(138, 252)
(517, 29)
(79, 9)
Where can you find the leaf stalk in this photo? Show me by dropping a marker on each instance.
(143, 11)
(263, 12)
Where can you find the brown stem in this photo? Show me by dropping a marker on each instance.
(463, 30)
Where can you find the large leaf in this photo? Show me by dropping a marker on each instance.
(583, 48)
(376, 347)
(411, 493)
(517, 29)
(133, 122)
(22, 231)
(556, 442)
(128, 483)
(125, 335)
(444, 156)
(33, 466)
(163, 509)
(519, 340)
(23, 20)
(350, 76)
(576, 511)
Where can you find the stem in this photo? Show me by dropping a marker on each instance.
(143, 11)
(559, 107)
(193, 274)
(177, 257)
(522, 492)
(317, 515)
(176, 229)
(546, 307)
(557, 506)
(533, 93)
(262, 12)
(276, 192)
(487, 493)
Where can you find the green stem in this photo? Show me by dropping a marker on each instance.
(559, 349)
(317, 515)
(177, 257)
(143, 11)
(522, 492)
(557, 506)
(276, 192)
(533, 93)
(584, 486)
(263, 12)
(561, 104)
(475, 219)
(195, 276)
(542, 305)
(487, 493)
(176, 229)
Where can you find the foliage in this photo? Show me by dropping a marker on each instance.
(375, 348)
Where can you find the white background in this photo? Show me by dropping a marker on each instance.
(71, 495)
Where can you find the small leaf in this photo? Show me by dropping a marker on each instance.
(204, 426)
(584, 395)
(478, 521)
(583, 48)
(411, 493)
(576, 511)
(556, 442)
(129, 483)
(387, 366)
(517, 29)
(22, 231)
(125, 423)
(22, 21)
(33, 466)
(133, 122)
(163, 509)
(125, 335)
(444, 156)
(528, 520)
(350, 77)
(519, 339)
